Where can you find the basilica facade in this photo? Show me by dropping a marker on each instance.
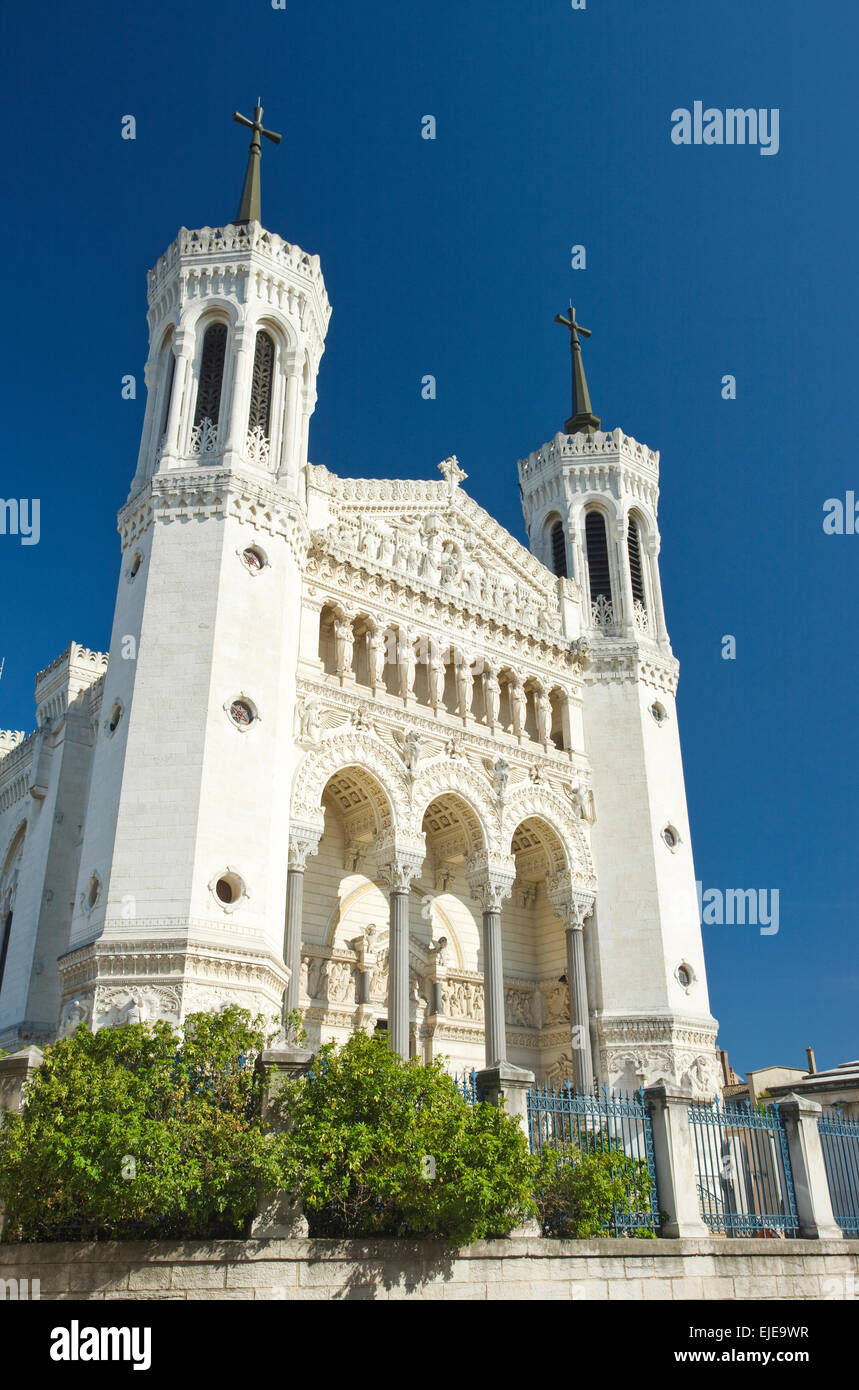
(355, 750)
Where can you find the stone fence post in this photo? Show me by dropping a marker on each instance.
(509, 1085)
(811, 1185)
(674, 1156)
(278, 1216)
(15, 1072)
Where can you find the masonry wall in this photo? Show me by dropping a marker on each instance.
(322, 1270)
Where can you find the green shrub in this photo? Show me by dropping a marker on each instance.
(362, 1127)
(137, 1132)
(579, 1188)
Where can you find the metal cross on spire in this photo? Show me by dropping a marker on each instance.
(249, 207)
(582, 420)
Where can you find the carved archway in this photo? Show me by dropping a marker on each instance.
(364, 759)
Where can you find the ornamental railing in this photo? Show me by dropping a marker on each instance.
(602, 1122)
(839, 1139)
(745, 1183)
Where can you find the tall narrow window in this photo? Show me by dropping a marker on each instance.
(559, 550)
(597, 544)
(168, 391)
(211, 374)
(5, 933)
(259, 417)
(633, 545)
(596, 541)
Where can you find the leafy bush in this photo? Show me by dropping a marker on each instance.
(362, 1126)
(137, 1132)
(580, 1187)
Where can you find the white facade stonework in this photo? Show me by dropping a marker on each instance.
(355, 748)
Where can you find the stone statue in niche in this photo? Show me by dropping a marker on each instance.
(464, 682)
(543, 709)
(406, 661)
(518, 707)
(492, 697)
(436, 675)
(500, 776)
(344, 646)
(376, 658)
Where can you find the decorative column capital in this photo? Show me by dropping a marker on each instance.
(400, 860)
(572, 905)
(303, 841)
(183, 343)
(490, 878)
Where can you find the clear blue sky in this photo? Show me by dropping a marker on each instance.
(452, 257)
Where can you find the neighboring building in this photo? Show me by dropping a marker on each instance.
(355, 748)
(837, 1087)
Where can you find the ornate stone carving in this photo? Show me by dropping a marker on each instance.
(490, 879)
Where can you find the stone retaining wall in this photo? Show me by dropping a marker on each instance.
(506, 1269)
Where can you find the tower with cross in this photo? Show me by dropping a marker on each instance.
(237, 322)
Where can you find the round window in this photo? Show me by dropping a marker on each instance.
(253, 559)
(135, 565)
(115, 716)
(242, 713)
(658, 713)
(228, 888)
(684, 975)
(670, 836)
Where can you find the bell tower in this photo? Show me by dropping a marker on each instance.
(181, 891)
(590, 503)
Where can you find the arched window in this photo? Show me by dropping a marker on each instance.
(633, 545)
(597, 548)
(559, 549)
(211, 374)
(259, 416)
(8, 890)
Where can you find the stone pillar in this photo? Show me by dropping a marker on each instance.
(573, 906)
(400, 860)
(278, 1216)
(183, 348)
(15, 1071)
(509, 1084)
(244, 346)
(491, 881)
(628, 615)
(674, 1156)
(302, 843)
(811, 1185)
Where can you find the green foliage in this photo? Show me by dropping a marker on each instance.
(361, 1129)
(137, 1132)
(579, 1187)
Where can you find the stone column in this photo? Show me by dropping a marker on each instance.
(811, 1185)
(651, 549)
(302, 843)
(244, 347)
(628, 615)
(183, 348)
(400, 861)
(573, 905)
(491, 881)
(674, 1157)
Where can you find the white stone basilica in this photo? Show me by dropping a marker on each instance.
(355, 750)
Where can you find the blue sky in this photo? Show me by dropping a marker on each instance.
(451, 257)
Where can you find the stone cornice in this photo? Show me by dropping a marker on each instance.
(601, 448)
(202, 492)
(624, 660)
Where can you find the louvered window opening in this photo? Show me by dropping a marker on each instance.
(211, 374)
(633, 544)
(559, 550)
(261, 385)
(597, 547)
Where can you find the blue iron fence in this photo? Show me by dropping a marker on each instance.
(745, 1183)
(839, 1139)
(600, 1122)
(466, 1084)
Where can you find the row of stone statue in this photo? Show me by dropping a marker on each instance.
(384, 647)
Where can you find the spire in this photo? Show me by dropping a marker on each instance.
(582, 420)
(249, 207)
